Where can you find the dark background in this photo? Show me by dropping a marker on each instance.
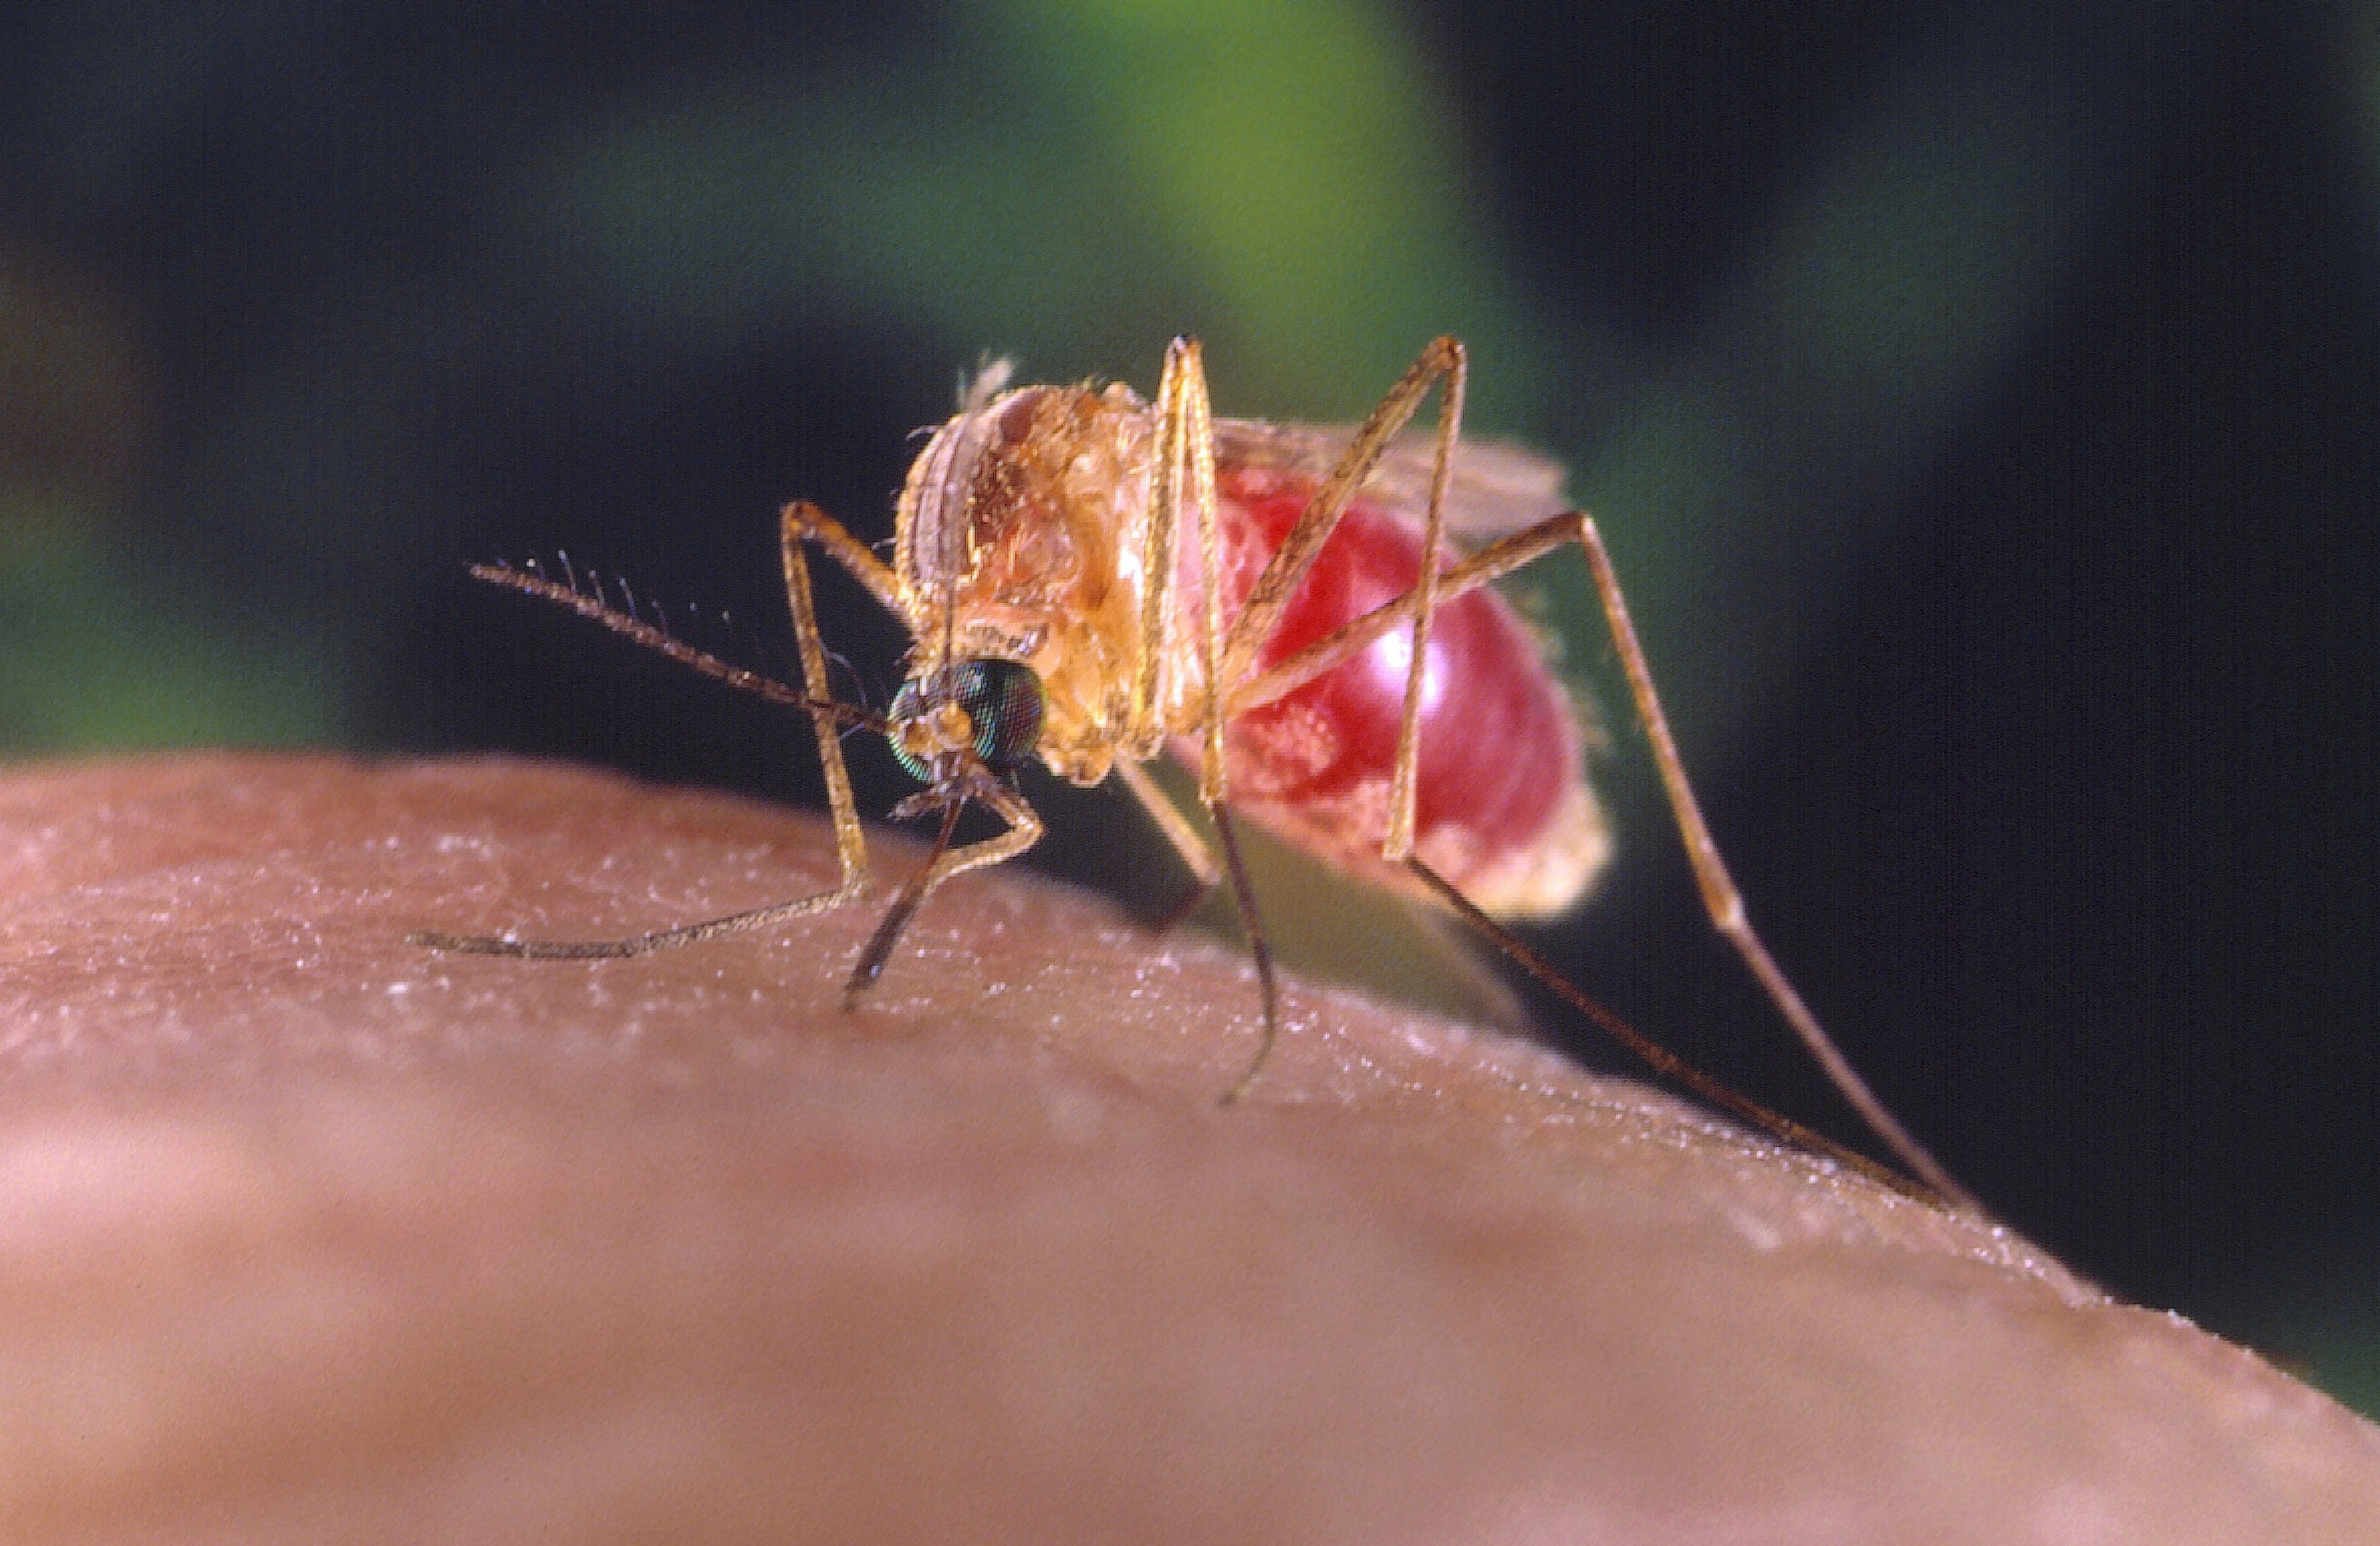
(1982, 401)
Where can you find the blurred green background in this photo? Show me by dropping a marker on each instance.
(1982, 400)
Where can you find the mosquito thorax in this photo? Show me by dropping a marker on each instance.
(1019, 538)
(988, 709)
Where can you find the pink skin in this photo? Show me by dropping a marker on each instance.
(307, 1233)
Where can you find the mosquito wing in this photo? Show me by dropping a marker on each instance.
(1496, 487)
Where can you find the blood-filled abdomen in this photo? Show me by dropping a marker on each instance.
(1503, 808)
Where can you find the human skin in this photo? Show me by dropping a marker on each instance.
(307, 1233)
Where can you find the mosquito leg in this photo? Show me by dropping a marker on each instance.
(941, 863)
(1661, 1058)
(1186, 434)
(1183, 367)
(849, 551)
(636, 945)
(1725, 903)
(1186, 445)
(1498, 1002)
(912, 895)
(1260, 614)
(1252, 923)
(1024, 830)
(1445, 359)
(1398, 843)
(802, 519)
(1183, 454)
(1206, 871)
(1493, 561)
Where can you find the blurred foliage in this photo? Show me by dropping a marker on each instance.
(85, 663)
(84, 666)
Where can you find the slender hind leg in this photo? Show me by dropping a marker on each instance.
(1186, 452)
(1024, 831)
(1206, 871)
(799, 520)
(1185, 449)
(1721, 900)
(1442, 360)
(1725, 903)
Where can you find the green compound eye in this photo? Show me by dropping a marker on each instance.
(1003, 702)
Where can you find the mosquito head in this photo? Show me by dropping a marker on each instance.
(985, 711)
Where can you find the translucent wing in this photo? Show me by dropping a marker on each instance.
(1496, 487)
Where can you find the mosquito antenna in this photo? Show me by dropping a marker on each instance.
(1669, 1064)
(660, 641)
(904, 907)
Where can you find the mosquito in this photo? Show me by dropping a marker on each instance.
(1094, 580)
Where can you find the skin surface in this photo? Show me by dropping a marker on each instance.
(308, 1234)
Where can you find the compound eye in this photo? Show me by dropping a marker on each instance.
(998, 706)
(1002, 700)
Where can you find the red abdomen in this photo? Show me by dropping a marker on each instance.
(1502, 808)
